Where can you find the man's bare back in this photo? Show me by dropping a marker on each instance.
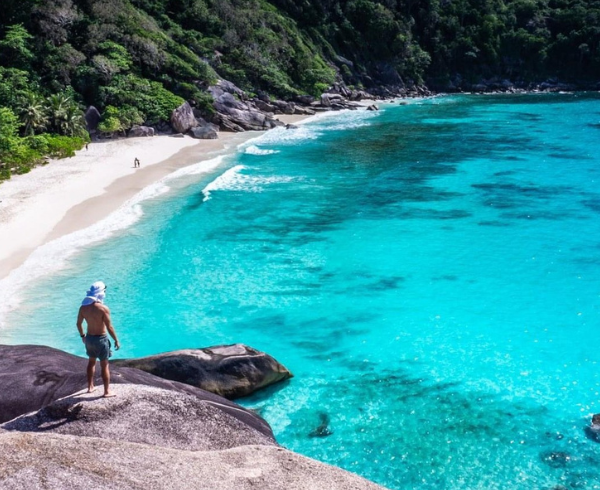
(97, 317)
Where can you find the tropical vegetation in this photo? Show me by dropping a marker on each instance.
(136, 60)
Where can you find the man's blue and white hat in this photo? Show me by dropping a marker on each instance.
(95, 294)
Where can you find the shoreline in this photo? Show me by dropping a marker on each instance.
(72, 194)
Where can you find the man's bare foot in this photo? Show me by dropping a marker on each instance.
(91, 389)
(108, 395)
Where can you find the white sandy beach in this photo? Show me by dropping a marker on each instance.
(71, 194)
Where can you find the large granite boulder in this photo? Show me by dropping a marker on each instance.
(56, 462)
(182, 118)
(263, 106)
(223, 86)
(235, 113)
(204, 133)
(227, 124)
(205, 130)
(140, 131)
(231, 371)
(242, 113)
(285, 107)
(305, 111)
(143, 414)
(304, 99)
(92, 119)
(33, 376)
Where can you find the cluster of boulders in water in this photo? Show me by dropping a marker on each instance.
(165, 428)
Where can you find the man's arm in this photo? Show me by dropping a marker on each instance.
(80, 324)
(110, 328)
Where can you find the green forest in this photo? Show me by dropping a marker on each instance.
(136, 60)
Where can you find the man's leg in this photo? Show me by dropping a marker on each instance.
(106, 378)
(91, 368)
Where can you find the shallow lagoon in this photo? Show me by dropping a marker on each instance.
(428, 272)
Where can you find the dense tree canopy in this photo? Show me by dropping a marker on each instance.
(140, 58)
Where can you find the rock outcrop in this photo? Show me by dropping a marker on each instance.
(154, 434)
(92, 119)
(182, 118)
(242, 114)
(140, 131)
(56, 462)
(33, 376)
(204, 130)
(204, 133)
(234, 113)
(231, 371)
(146, 415)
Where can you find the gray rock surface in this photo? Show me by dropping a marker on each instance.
(236, 113)
(304, 99)
(33, 376)
(92, 119)
(204, 133)
(140, 131)
(228, 370)
(243, 114)
(227, 124)
(169, 437)
(225, 86)
(305, 111)
(57, 462)
(285, 107)
(145, 415)
(265, 106)
(182, 118)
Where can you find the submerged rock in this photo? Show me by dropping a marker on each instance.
(231, 371)
(592, 431)
(556, 459)
(322, 430)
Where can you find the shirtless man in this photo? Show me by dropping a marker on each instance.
(97, 344)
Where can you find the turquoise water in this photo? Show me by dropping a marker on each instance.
(430, 273)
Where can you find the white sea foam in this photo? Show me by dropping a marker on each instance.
(224, 181)
(255, 150)
(54, 255)
(353, 120)
(235, 180)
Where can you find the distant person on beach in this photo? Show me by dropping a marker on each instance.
(136, 163)
(97, 344)
(87, 146)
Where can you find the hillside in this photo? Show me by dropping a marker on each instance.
(136, 60)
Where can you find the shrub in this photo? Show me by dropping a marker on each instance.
(152, 101)
(319, 88)
(64, 146)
